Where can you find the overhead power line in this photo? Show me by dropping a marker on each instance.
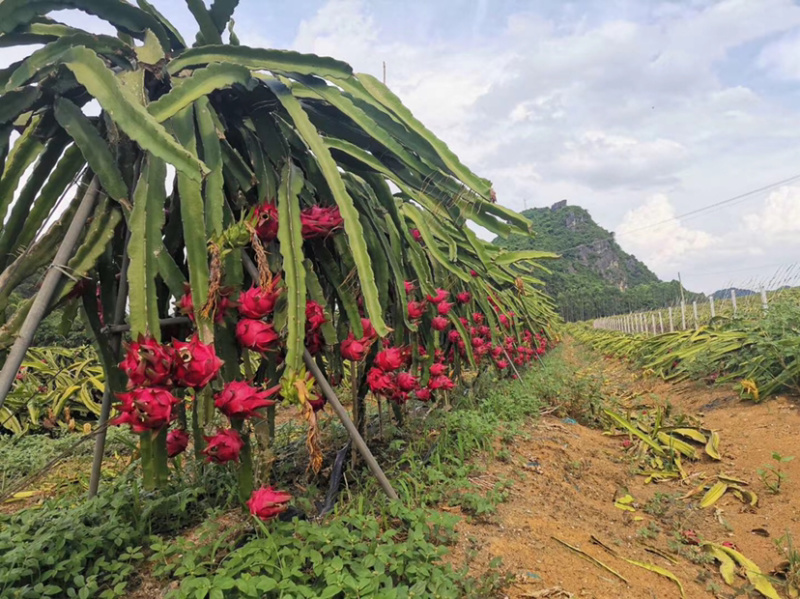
(691, 213)
(715, 205)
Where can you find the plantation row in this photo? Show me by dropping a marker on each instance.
(315, 232)
(760, 353)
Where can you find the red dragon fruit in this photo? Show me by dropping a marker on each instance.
(146, 408)
(266, 221)
(354, 349)
(257, 302)
(416, 310)
(407, 381)
(177, 441)
(266, 503)
(315, 315)
(389, 359)
(256, 335)
(147, 363)
(196, 364)
(319, 221)
(239, 399)
(439, 323)
(441, 295)
(223, 447)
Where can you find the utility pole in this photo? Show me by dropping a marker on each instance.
(680, 284)
(384, 72)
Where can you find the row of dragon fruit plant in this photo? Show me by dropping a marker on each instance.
(355, 215)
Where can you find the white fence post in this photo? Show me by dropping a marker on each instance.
(694, 308)
(683, 315)
(733, 301)
(653, 320)
(711, 305)
(764, 303)
(661, 322)
(671, 323)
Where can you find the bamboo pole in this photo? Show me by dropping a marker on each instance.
(329, 394)
(49, 288)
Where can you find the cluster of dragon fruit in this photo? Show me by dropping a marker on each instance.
(398, 373)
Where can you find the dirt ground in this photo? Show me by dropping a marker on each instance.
(567, 477)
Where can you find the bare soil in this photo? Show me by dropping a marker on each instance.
(568, 476)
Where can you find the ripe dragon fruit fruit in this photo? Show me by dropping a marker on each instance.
(239, 399)
(147, 363)
(196, 364)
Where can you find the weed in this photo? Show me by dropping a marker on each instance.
(713, 588)
(771, 474)
(790, 568)
(660, 504)
(692, 553)
(651, 531)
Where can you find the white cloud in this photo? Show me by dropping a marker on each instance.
(602, 160)
(778, 221)
(340, 28)
(781, 58)
(664, 246)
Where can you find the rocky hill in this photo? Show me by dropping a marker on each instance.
(588, 250)
(595, 276)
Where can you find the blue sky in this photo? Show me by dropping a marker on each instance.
(638, 110)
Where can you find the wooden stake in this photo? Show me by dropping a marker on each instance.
(356, 416)
(329, 394)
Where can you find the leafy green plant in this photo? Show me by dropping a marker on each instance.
(760, 352)
(55, 387)
(91, 548)
(351, 555)
(772, 475)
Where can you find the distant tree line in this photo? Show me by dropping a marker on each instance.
(584, 302)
